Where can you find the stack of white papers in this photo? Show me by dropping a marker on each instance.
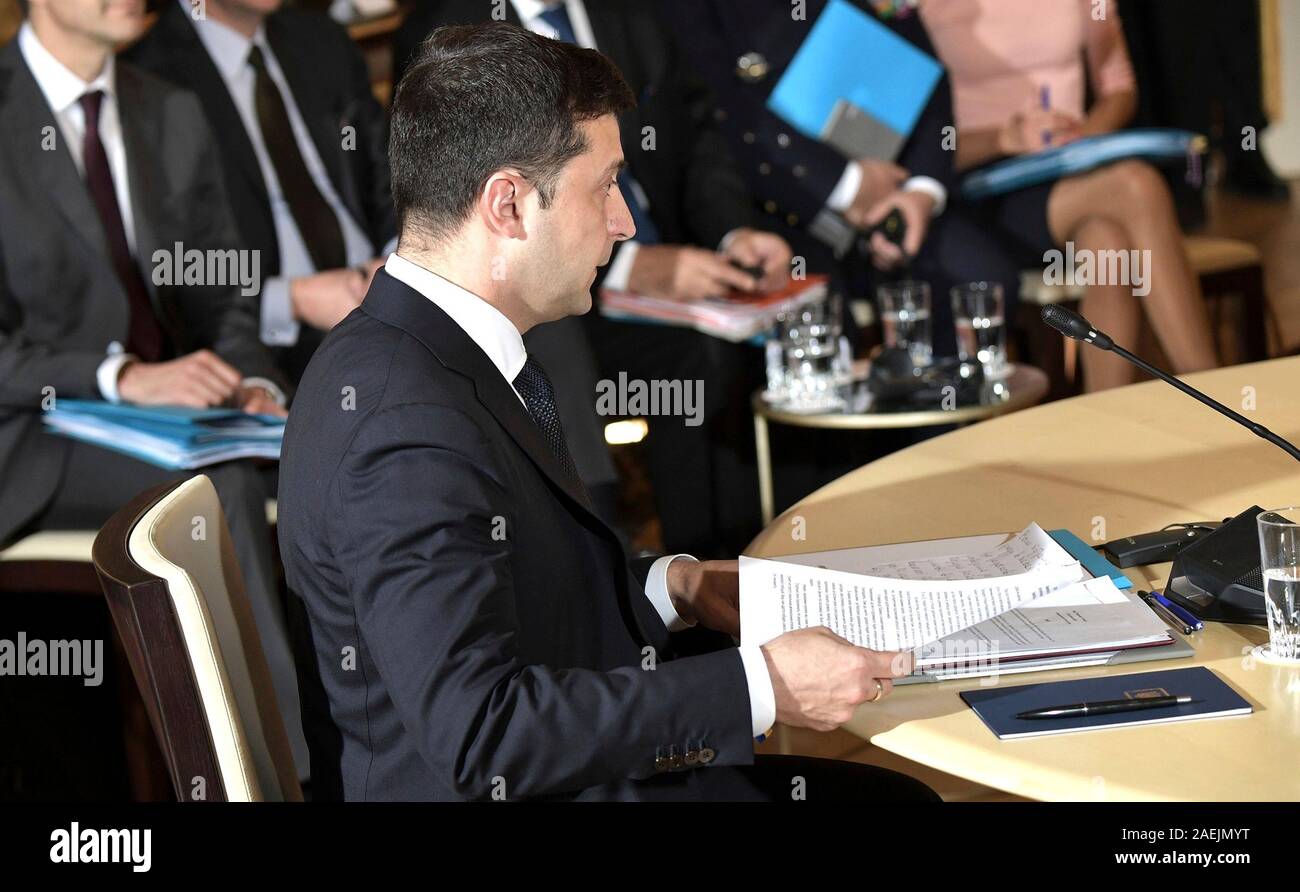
(1023, 599)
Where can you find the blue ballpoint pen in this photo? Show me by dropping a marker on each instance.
(1185, 615)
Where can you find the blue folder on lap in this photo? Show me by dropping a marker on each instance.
(855, 84)
(1080, 156)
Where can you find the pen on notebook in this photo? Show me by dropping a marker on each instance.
(1165, 614)
(1105, 707)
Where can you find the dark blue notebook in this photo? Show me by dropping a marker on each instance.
(997, 707)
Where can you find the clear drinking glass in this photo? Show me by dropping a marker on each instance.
(905, 317)
(979, 314)
(811, 370)
(1279, 554)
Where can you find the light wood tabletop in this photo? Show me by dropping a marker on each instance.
(1106, 465)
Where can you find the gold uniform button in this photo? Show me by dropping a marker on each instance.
(769, 206)
(792, 219)
(706, 755)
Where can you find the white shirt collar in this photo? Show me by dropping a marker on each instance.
(228, 48)
(485, 324)
(61, 86)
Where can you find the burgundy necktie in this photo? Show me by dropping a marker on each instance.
(145, 336)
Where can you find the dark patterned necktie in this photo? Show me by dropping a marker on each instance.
(145, 337)
(316, 220)
(532, 384)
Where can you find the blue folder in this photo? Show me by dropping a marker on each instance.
(851, 58)
(1086, 555)
(1080, 156)
(998, 707)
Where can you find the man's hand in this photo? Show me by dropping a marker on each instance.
(707, 593)
(259, 401)
(879, 179)
(1037, 129)
(680, 272)
(766, 250)
(917, 209)
(322, 300)
(819, 678)
(198, 380)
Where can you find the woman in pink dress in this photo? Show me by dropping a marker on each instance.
(1020, 71)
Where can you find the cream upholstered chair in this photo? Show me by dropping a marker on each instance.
(174, 589)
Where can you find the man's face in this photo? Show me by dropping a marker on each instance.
(107, 22)
(576, 234)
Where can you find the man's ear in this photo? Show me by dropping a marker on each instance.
(501, 204)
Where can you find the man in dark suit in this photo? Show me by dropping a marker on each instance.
(693, 214)
(105, 172)
(303, 144)
(475, 629)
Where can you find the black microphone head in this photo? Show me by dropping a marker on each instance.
(1072, 325)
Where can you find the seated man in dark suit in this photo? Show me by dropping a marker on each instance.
(694, 214)
(495, 642)
(101, 166)
(303, 145)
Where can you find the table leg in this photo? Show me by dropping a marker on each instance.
(764, 456)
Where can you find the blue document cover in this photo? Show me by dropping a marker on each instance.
(1093, 562)
(168, 436)
(997, 707)
(850, 59)
(1080, 156)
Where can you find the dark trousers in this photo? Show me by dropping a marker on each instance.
(774, 778)
(97, 482)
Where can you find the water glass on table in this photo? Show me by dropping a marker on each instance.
(905, 319)
(807, 362)
(1279, 552)
(979, 314)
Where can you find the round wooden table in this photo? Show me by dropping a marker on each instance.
(1105, 465)
(1024, 387)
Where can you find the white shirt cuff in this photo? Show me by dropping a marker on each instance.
(762, 698)
(620, 268)
(107, 373)
(270, 387)
(846, 189)
(279, 328)
(931, 187)
(656, 589)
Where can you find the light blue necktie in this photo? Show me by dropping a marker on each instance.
(647, 233)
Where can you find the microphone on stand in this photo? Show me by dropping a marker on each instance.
(1218, 576)
(1072, 325)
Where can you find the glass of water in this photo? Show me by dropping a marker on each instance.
(905, 317)
(809, 369)
(979, 313)
(1279, 552)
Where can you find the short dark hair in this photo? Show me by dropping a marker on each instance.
(479, 98)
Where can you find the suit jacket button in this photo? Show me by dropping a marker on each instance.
(769, 206)
(799, 170)
(792, 219)
(748, 137)
(692, 757)
(706, 755)
(661, 764)
(783, 140)
(764, 168)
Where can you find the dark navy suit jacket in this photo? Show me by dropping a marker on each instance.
(472, 627)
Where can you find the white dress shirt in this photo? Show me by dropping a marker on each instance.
(63, 91)
(229, 52)
(501, 342)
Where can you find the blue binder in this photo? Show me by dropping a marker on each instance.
(854, 74)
